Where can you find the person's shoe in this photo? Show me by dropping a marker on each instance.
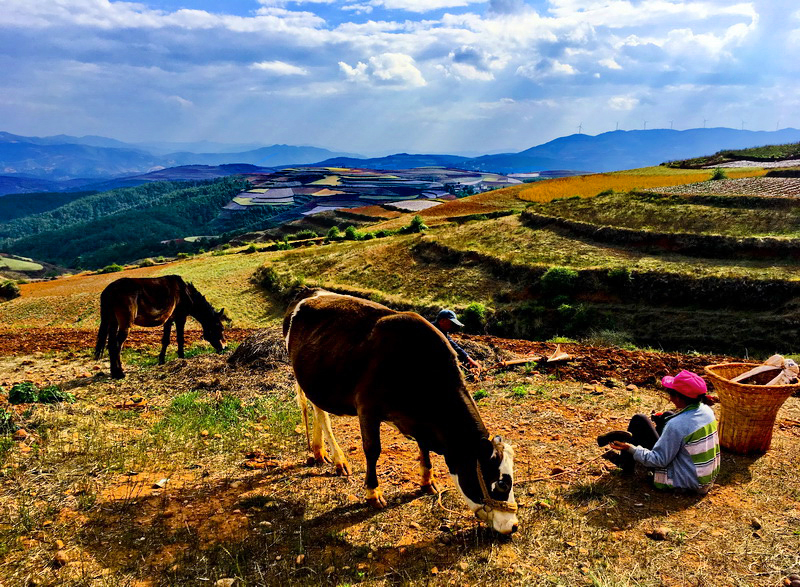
(619, 435)
(623, 460)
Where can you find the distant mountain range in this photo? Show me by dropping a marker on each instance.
(64, 163)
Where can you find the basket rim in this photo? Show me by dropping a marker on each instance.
(709, 369)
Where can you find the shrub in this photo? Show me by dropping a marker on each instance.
(607, 337)
(251, 249)
(113, 268)
(284, 287)
(718, 173)
(53, 395)
(9, 290)
(334, 233)
(183, 255)
(23, 393)
(6, 422)
(383, 232)
(146, 263)
(351, 234)
(558, 281)
(367, 236)
(416, 225)
(620, 276)
(474, 317)
(480, 394)
(303, 234)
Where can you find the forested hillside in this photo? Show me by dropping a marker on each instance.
(125, 224)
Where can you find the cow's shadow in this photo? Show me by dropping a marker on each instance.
(242, 526)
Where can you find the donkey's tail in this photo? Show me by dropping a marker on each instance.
(102, 333)
(303, 403)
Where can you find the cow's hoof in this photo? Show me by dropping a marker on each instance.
(375, 498)
(343, 469)
(322, 457)
(118, 376)
(429, 488)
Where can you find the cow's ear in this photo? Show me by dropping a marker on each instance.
(497, 441)
(486, 449)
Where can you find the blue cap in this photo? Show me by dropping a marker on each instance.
(449, 315)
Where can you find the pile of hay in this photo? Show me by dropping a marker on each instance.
(264, 349)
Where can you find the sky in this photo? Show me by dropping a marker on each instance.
(385, 76)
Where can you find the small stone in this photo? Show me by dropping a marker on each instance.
(557, 470)
(217, 435)
(226, 582)
(204, 433)
(265, 524)
(61, 558)
(660, 533)
(632, 387)
(330, 570)
(235, 484)
(434, 570)
(463, 566)
(20, 434)
(161, 483)
(301, 558)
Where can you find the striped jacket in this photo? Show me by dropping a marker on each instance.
(686, 456)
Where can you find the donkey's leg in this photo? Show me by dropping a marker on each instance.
(322, 421)
(428, 483)
(180, 322)
(164, 342)
(116, 363)
(371, 439)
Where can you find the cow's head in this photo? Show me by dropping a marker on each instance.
(487, 485)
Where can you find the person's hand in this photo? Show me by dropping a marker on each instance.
(619, 445)
(473, 364)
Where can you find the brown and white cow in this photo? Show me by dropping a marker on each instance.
(355, 357)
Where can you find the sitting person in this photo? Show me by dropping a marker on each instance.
(446, 321)
(682, 447)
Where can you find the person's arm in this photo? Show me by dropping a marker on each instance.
(663, 453)
(461, 353)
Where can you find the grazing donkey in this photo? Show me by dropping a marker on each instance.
(358, 358)
(153, 301)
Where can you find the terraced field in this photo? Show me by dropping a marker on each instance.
(752, 186)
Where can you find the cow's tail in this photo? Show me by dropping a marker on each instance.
(303, 403)
(102, 333)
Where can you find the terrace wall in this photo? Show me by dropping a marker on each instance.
(695, 245)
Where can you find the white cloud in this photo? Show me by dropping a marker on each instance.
(279, 68)
(182, 102)
(388, 69)
(610, 63)
(623, 103)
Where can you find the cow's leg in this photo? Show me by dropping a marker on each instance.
(164, 342)
(322, 421)
(371, 439)
(428, 484)
(317, 440)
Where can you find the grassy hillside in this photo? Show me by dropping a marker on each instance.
(766, 153)
(533, 280)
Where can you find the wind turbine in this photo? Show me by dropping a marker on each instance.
(580, 128)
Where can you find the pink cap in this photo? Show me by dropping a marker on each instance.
(686, 383)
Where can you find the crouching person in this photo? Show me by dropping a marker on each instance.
(681, 447)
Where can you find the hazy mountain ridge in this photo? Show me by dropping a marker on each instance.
(96, 160)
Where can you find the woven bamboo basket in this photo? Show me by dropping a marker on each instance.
(748, 411)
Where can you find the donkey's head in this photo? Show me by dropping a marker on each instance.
(487, 485)
(210, 319)
(214, 329)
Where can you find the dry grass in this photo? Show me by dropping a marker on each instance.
(86, 477)
(587, 186)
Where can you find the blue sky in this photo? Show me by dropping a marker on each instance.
(382, 76)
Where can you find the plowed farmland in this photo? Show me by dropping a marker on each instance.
(751, 186)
